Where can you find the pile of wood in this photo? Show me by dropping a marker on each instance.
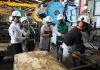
(36, 60)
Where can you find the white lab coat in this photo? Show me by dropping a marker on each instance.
(44, 39)
(15, 33)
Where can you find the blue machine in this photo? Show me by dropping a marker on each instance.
(54, 9)
(71, 13)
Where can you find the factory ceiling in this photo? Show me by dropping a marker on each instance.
(28, 5)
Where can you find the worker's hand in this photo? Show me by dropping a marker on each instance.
(27, 37)
(50, 35)
(29, 27)
(27, 34)
(62, 35)
(50, 32)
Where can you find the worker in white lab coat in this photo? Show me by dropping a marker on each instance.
(46, 34)
(16, 33)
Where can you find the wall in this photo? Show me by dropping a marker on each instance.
(4, 18)
(92, 9)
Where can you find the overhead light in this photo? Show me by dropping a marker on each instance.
(38, 0)
(29, 2)
(18, 1)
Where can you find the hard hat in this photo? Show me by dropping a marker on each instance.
(16, 13)
(80, 25)
(60, 16)
(48, 19)
(23, 19)
(86, 19)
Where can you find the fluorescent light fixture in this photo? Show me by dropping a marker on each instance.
(38, 0)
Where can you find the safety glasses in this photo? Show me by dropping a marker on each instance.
(17, 17)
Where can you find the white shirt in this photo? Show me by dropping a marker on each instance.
(15, 32)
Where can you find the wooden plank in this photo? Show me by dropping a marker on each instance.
(88, 61)
(36, 60)
(3, 46)
(80, 58)
(83, 66)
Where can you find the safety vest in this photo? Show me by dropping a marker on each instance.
(31, 32)
(63, 29)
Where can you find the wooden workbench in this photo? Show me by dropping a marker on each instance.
(87, 60)
(36, 60)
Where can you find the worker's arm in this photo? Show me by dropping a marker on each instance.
(24, 33)
(15, 33)
(55, 30)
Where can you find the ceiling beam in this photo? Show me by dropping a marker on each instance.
(18, 4)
